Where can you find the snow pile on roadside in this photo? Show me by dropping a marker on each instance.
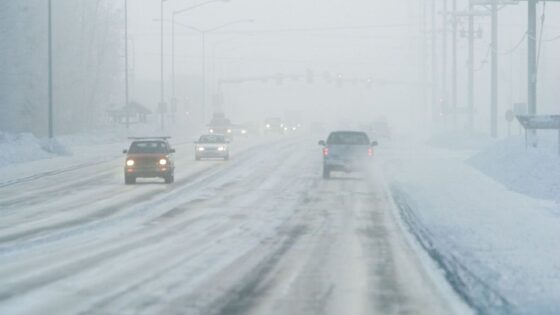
(497, 247)
(25, 147)
(534, 171)
(17, 148)
(459, 141)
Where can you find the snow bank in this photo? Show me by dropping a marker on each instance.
(17, 148)
(25, 147)
(497, 247)
(533, 171)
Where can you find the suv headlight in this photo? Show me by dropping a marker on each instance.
(129, 162)
(221, 148)
(229, 131)
(200, 149)
(162, 162)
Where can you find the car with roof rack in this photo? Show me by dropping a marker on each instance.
(149, 157)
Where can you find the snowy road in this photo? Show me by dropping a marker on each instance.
(260, 234)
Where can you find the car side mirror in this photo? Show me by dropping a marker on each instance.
(322, 142)
(374, 143)
(124, 151)
(171, 150)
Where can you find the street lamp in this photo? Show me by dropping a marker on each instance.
(126, 101)
(203, 33)
(50, 79)
(162, 95)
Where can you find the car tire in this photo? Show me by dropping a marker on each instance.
(169, 179)
(129, 180)
(326, 173)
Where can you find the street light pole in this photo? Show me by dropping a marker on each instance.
(126, 101)
(454, 64)
(162, 83)
(173, 57)
(470, 64)
(203, 77)
(494, 83)
(50, 75)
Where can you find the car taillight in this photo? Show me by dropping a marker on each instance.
(370, 152)
(325, 151)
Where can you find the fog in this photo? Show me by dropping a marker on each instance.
(332, 61)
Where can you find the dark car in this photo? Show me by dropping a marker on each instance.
(346, 151)
(149, 158)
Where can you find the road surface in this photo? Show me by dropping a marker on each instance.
(260, 234)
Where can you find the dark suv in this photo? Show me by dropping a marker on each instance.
(149, 157)
(346, 151)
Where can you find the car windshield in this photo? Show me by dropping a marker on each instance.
(212, 139)
(348, 138)
(148, 147)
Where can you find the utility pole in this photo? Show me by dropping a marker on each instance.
(126, 101)
(443, 101)
(173, 98)
(203, 77)
(434, 63)
(50, 79)
(470, 64)
(454, 64)
(494, 87)
(424, 62)
(532, 55)
(162, 83)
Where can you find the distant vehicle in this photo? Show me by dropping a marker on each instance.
(241, 131)
(274, 125)
(211, 146)
(346, 151)
(221, 125)
(149, 158)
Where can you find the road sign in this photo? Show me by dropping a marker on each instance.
(534, 122)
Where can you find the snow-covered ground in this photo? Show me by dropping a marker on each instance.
(260, 234)
(263, 234)
(495, 240)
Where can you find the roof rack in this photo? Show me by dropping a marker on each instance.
(141, 138)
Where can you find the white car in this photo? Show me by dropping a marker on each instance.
(211, 146)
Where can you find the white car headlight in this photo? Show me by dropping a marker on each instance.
(163, 162)
(200, 149)
(267, 125)
(243, 131)
(211, 130)
(221, 148)
(229, 131)
(130, 162)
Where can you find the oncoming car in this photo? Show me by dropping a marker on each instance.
(149, 158)
(346, 151)
(211, 146)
